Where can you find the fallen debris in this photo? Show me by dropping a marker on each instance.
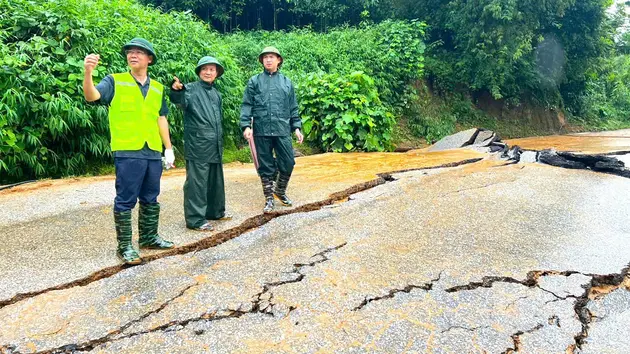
(475, 138)
(479, 138)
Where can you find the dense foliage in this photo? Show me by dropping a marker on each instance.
(606, 101)
(230, 15)
(560, 54)
(510, 48)
(565, 55)
(391, 52)
(549, 52)
(486, 43)
(47, 129)
(344, 113)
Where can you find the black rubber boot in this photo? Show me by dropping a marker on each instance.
(267, 184)
(281, 189)
(268, 206)
(148, 220)
(274, 179)
(125, 249)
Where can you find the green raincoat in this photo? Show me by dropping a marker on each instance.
(270, 100)
(204, 193)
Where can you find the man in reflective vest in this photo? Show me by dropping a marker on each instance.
(138, 127)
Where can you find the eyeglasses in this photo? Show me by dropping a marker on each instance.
(135, 52)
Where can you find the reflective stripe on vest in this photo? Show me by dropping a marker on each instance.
(133, 119)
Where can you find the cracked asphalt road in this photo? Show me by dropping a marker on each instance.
(483, 257)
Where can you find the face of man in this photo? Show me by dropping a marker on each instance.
(271, 62)
(208, 73)
(138, 58)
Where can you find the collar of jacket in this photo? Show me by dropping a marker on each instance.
(271, 74)
(206, 85)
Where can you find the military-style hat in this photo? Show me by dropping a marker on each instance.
(270, 50)
(209, 60)
(143, 44)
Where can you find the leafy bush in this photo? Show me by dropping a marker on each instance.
(401, 60)
(391, 52)
(606, 101)
(430, 117)
(240, 155)
(47, 129)
(344, 113)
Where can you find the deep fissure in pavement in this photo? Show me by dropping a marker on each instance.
(69, 348)
(516, 339)
(602, 163)
(261, 304)
(264, 304)
(488, 281)
(407, 289)
(226, 235)
(599, 287)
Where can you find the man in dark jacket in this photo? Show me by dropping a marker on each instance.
(270, 103)
(204, 193)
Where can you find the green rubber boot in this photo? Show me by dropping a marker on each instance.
(148, 219)
(125, 249)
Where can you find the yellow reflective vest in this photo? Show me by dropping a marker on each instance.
(133, 119)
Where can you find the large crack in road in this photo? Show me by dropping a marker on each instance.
(263, 301)
(226, 235)
(261, 304)
(599, 286)
(391, 293)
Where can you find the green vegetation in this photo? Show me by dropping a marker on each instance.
(606, 102)
(359, 66)
(391, 52)
(344, 113)
(48, 130)
(240, 155)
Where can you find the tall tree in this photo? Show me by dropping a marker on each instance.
(500, 45)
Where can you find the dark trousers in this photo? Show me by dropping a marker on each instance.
(204, 193)
(136, 179)
(284, 160)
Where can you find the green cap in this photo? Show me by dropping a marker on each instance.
(143, 44)
(209, 60)
(270, 50)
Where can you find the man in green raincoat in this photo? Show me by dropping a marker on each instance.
(270, 103)
(204, 193)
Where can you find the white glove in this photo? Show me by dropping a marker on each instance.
(169, 158)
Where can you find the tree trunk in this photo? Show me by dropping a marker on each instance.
(275, 17)
(259, 23)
